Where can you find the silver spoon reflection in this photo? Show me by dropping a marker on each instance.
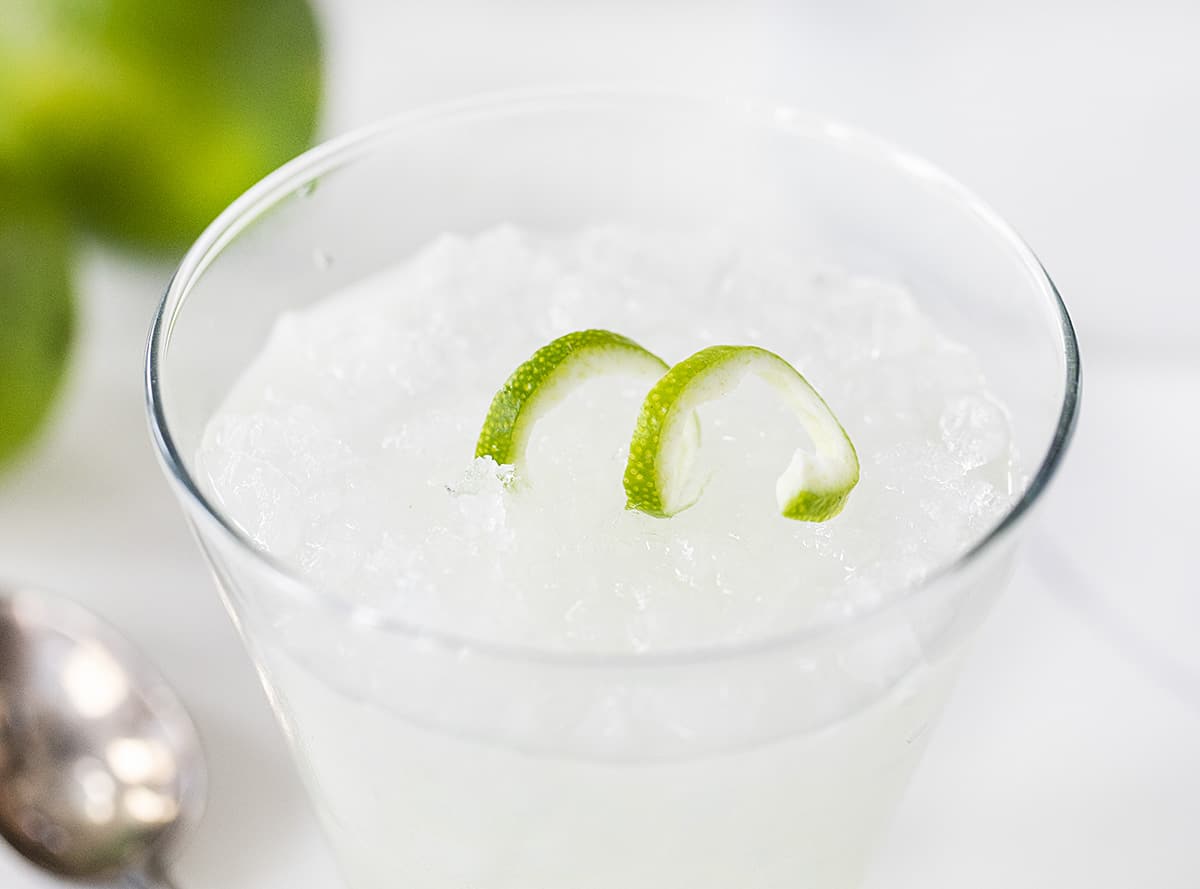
(100, 767)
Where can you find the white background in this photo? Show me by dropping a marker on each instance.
(1070, 756)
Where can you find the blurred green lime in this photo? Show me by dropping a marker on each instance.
(147, 117)
(36, 312)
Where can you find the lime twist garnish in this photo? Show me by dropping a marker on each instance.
(549, 375)
(813, 488)
(658, 482)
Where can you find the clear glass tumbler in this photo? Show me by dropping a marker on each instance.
(442, 762)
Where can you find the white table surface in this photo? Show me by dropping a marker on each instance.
(1070, 755)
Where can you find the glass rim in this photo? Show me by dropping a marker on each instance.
(336, 152)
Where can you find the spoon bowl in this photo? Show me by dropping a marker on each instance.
(101, 769)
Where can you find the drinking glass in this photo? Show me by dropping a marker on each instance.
(438, 761)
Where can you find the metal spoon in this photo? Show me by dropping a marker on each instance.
(101, 770)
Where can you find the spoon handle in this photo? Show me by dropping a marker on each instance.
(149, 880)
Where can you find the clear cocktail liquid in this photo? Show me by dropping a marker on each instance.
(346, 451)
